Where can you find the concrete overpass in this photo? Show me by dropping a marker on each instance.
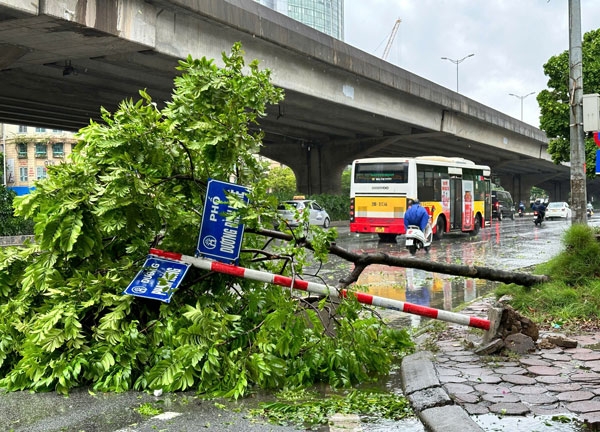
(61, 60)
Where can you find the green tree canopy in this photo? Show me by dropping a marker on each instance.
(138, 180)
(554, 101)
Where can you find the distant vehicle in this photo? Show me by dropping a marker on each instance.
(318, 215)
(454, 191)
(558, 210)
(502, 205)
(590, 210)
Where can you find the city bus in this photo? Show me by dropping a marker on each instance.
(455, 191)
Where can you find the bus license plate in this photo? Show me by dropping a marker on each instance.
(379, 229)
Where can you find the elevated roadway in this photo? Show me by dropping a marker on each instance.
(61, 61)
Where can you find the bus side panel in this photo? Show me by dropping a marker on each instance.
(379, 214)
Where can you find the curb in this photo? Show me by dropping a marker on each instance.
(432, 404)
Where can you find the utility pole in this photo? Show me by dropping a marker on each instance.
(576, 134)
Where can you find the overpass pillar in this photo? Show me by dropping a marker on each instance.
(318, 168)
(519, 187)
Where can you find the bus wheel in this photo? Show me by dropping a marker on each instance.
(439, 229)
(387, 238)
(476, 227)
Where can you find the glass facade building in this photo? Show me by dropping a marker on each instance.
(327, 16)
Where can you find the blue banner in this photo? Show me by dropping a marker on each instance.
(597, 162)
(221, 239)
(158, 279)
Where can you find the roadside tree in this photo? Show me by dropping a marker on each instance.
(554, 101)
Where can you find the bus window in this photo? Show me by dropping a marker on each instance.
(381, 173)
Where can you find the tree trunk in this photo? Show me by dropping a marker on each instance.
(362, 261)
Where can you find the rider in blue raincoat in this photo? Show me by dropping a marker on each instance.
(416, 215)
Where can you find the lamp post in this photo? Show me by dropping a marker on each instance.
(456, 62)
(521, 97)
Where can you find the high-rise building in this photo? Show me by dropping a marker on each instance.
(326, 16)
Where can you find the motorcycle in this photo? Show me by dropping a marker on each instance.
(415, 240)
(538, 217)
(521, 211)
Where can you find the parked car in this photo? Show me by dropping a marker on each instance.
(558, 209)
(502, 205)
(318, 215)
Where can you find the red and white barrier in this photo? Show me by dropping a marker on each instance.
(317, 288)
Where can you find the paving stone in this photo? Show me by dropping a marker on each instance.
(462, 398)
(557, 357)
(442, 371)
(593, 418)
(507, 364)
(534, 362)
(449, 418)
(462, 353)
(544, 370)
(538, 399)
(574, 396)
(501, 398)
(452, 379)
(548, 379)
(564, 387)
(476, 409)
(485, 379)
(578, 350)
(590, 356)
(429, 398)
(589, 377)
(458, 388)
(509, 408)
(528, 389)
(466, 359)
(519, 379)
(584, 406)
(512, 370)
(548, 410)
(492, 389)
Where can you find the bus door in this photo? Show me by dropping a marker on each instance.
(456, 198)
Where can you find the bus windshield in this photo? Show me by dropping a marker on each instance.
(395, 172)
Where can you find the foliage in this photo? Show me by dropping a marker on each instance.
(10, 224)
(337, 206)
(554, 101)
(346, 177)
(281, 182)
(573, 293)
(309, 409)
(138, 180)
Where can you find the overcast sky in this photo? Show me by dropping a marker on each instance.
(511, 40)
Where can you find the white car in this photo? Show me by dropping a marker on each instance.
(559, 209)
(318, 216)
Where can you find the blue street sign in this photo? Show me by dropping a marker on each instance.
(221, 239)
(597, 162)
(158, 279)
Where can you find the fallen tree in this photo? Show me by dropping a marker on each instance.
(362, 261)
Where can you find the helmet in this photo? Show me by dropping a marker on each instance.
(412, 201)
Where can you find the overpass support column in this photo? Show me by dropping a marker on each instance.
(318, 168)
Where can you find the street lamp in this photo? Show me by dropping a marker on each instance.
(456, 62)
(521, 97)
